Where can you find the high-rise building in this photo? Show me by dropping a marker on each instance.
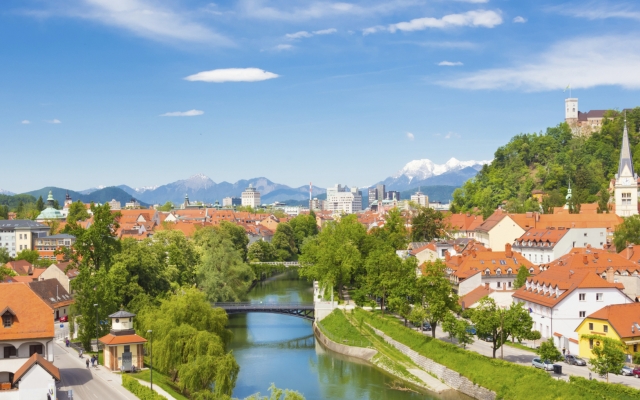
(341, 199)
(626, 186)
(420, 199)
(251, 197)
(231, 201)
(380, 192)
(373, 195)
(392, 195)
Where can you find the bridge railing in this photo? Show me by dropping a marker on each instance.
(285, 263)
(271, 306)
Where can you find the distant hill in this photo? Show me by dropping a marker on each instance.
(99, 196)
(13, 200)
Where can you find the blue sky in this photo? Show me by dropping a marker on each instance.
(141, 92)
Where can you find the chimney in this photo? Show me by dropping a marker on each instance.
(486, 285)
(585, 259)
(610, 275)
(447, 256)
(507, 250)
(473, 253)
(596, 255)
(629, 251)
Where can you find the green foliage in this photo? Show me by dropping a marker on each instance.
(12, 202)
(609, 355)
(277, 394)
(4, 255)
(438, 297)
(5, 272)
(636, 358)
(548, 351)
(28, 255)
(262, 251)
(304, 226)
(140, 391)
(549, 161)
(284, 241)
(160, 380)
(521, 279)
(77, 212)
(236, 235)
(168, 206)
(489, 319)
(189, 342)
(221, 274)
(4, 212)
(394, 232)
(179, 254)
(595, 389)
(628, 232)
(427, 224)
(337, 327)
(40, 204)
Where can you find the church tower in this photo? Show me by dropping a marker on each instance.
(626, 187)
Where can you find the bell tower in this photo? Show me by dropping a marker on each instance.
(571, 109)
(626, 187)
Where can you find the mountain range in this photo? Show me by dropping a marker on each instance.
(418, 173)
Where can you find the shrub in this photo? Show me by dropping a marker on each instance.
(139, 390)
(603, 390)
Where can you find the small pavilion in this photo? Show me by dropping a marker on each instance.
(123, 348)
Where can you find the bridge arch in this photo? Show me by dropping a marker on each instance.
(300, 310)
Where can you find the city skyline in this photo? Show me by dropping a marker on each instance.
(293, 91)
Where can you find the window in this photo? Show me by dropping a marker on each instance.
(598, 296)
(583, 314)
(7, 320)
(590, 326)
(605, 328)
(509, 283)
(127, 348)
(35, 348)
(591, 343)
(498, 284)
(626, 198)
(635, 348)
(487, 271)
(585, 234)
(498, 272)
(582, 296)
(9, 351)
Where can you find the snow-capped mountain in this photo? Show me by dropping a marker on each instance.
(91, 190)
(8, 193)
(143, 189)
(427, 173)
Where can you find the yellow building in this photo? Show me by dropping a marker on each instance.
(618, 322)
(123, 348)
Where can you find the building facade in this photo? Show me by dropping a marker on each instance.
(341, 199)
(626, 186)
(123, 348)
(17, 235)
(250, 197)
(545, 245)
(420, 199)
(231, 202)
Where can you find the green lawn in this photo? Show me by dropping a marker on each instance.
(160, 380)
(337, 328)
(520, 346)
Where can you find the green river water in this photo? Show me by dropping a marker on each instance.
(281, 349)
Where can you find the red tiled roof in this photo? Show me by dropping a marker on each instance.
(475, 295)
(39, 360)
(112, 340)
(621, 317)
(33, 319)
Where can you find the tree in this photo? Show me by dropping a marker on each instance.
(77, 212)
(28, 255)
(548, 351)
(628, 232)
(277, 394)
(462, 333)
(517, 322)
(304, 226)
(221, 273)
(262, 251)
(487, 320)
(168, 206)
(428, 224)
(237, 236)
(189, 344)
(4, 255)
(437, 294)
(284, 241)
(417, 316)
(449, 325)
(394, 231)
(40, 204)
(179, 254)
(500, 323)
(6, 272)
(609, 355)
(521, 279)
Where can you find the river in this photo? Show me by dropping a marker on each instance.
(281, 349)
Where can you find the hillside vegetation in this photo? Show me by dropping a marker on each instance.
(548, 162)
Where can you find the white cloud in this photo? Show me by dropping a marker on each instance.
(190, 113)
(261, 9)
(298, 35)
(451, 135)
(477, 18)
(410, 136)
(450, 63)
(54, 121)
(25, 122)
(325, 31)
(232, 75)
(144, 18)
(281, 47)
(519, 20)
(593, 11)
(585, 62)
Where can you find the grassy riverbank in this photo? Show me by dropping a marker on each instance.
(161, 380)
(508, 380)
(337, 328)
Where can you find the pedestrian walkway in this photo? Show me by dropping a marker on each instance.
(157, 389)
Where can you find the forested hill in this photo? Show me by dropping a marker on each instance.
(548, 162)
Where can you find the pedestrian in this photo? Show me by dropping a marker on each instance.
(87, 362)
(589, 375)
(92, 360)
(564, 351)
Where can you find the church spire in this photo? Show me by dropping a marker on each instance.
(625, 168)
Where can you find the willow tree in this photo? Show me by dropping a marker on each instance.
(189, 344)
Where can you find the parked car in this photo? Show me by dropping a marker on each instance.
(574, 360)
(471, 330)
(486, 338)
(546, 365)
(64, 318)
(426, 326)
(626, 371)
(636, 372)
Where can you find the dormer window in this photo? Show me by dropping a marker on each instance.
(7, 320)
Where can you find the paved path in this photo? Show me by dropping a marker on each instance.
(524, 357)
(157, 389)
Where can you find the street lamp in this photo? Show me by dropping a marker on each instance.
(97, 348)
(150, 332)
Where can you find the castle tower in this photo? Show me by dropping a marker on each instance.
(571, 109)
(626, 187)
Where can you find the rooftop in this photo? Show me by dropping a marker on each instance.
(33, 317)
(624, 318)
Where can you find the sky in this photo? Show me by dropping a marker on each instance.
(147, 92)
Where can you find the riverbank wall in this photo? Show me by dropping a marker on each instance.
(356, 352)
(450, 377)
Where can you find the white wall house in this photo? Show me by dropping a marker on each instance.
(545, 245)
(498, 230)
(559, 299)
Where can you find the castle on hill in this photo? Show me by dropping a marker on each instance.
(582, 124)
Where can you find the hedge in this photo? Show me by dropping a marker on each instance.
(508, 380)
(603, 390)
(139, 390)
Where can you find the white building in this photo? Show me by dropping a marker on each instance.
(544, 245)
(341, 200)
(626, 187)
(560, 298)
(115, 205)
(231, 201)
(132, 204)
(251, 197)
(26, 344)
(420, 199)
(17, 235)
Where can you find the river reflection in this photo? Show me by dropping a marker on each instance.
(281, 349)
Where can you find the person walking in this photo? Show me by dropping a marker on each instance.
(87, 362)
(564, 351)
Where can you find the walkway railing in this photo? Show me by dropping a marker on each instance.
(285, 263)
(302, 310)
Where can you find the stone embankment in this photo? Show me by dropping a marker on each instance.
(362, 353)
(450, 377)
